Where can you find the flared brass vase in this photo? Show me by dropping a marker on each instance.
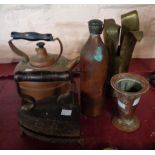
(128, 90)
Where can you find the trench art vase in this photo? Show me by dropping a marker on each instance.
(128, 89)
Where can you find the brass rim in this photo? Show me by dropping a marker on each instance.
(144, 83)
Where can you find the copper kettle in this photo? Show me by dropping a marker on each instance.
(43, 74)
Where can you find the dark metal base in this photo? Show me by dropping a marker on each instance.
(46, 121)
(51, 139)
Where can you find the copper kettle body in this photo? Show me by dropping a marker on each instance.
(43, 74)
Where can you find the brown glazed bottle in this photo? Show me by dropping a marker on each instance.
(93, 66)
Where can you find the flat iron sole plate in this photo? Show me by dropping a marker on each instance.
(48, 118)
(52, 139)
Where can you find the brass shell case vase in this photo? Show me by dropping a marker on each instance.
(128, 89)
(120, 41)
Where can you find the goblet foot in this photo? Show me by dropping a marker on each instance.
(125, 124)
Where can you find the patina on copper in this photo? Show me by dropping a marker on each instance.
(93, 67)
(128, 89)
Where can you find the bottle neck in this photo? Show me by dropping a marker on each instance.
(95, 37)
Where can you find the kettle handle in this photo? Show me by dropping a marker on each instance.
(32, 36)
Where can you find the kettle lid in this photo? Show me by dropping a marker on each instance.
(42, 58)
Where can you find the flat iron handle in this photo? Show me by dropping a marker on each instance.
(32, 36)
(42, 76)
(45, 76)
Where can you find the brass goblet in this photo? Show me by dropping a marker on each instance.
(128, 90)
